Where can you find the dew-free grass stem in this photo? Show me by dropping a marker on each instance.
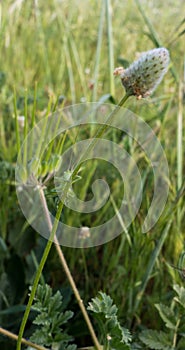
(98, 52)
(179, 148)
(16, 122)
(110, 45)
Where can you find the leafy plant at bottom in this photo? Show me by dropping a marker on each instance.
(50, 319)
(173, 317)
(113, 335)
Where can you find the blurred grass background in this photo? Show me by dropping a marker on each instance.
(54, 50)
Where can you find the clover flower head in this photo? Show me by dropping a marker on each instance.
(143, 76)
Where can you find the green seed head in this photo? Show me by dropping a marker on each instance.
(144, 75)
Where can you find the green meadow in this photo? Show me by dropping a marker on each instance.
(59, 53)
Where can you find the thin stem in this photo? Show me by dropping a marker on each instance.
(77, 295)
(110, 45)
(23, 341)
(34, 106)
(40, 267)
(25, 155)
(98, 52)
(16, 123)
(53, 238)
(179, 150)
(100, 132)
(175, 334)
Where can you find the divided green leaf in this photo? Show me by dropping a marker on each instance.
(50, 319)
(117, 337)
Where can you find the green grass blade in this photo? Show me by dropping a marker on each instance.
(179, 147)
(98, 52)
(110, 46)
(151, 264)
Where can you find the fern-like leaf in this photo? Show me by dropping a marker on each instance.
(50, 319)
(119, 338)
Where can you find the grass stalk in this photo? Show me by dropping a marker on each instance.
(25, 126)
(70, 70)
(179, 147)
(98, 52)
(16, 123)
(110, 46)
(34, 106)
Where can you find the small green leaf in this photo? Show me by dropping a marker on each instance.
(103, 304)
(181, 294)
(156, 340)
(41, 319)
(167, 315)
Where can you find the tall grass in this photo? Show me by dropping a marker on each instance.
(70, 48)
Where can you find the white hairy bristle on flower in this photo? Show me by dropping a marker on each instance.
(118, 71)
(145, 74)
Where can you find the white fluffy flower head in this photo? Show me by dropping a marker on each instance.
(145, 74)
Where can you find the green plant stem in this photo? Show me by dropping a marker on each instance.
(34, 106)
(40, 267)
(100, 132)
(23, 341)
(110, 46)
(52, 237)
(16, 123)
(25, 155)
(176, 334)
(179, 150)
(98, 52)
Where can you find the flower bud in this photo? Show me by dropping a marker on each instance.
(145, 74)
